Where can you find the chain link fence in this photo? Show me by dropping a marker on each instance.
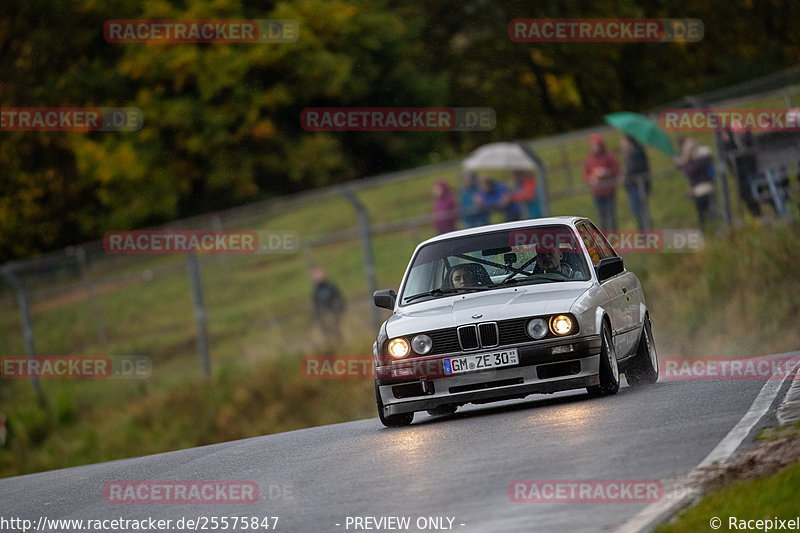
(237, 308)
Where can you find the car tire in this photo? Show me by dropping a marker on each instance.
(392, 421)
(443, 410)
(643, 369)
(609, 369)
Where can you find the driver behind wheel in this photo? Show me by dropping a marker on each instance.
(550, 260)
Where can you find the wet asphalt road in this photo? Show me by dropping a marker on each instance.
(457, 467)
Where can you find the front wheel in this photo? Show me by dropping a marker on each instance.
(644, 367)
(609, 370)
(392, 421)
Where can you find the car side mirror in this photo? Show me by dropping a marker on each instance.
(385, 299)
(608, 267)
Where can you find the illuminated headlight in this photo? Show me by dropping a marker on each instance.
(398, 348)
(422, 344)
(537, 328)
(561, 325)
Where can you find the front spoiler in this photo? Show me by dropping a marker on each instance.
(496, 385)
(492, 395)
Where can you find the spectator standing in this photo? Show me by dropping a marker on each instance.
(695, 160)
(740, 156)
(445, 213)
(495, 196)
(600, 172)
(471, 214)
(525, 193)
(329, 304)
(637, 180)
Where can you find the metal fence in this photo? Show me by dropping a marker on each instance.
(83, 300)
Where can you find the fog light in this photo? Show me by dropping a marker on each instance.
(422, 344)
(537, 328)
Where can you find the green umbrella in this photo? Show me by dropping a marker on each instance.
(642, 129)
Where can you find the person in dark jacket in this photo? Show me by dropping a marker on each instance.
(637, 180)
(695, 160)
(740, 155)
(328, 304)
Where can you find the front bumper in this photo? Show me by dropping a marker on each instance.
(538, 371)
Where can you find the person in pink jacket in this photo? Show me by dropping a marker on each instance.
(600, 172)
(445, 214)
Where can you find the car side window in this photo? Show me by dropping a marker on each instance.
(602, 244)
(587, 239)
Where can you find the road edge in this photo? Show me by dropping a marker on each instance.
(657, 512)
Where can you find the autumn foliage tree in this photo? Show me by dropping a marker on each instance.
(221, 120)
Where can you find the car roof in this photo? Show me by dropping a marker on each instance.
(528, 223)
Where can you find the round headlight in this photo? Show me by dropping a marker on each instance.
(398, 348)
(561, 325)
(422, 344)
(537, 328)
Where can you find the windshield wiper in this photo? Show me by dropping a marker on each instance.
(440, 292)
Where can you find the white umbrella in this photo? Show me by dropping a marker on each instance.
(508, 156)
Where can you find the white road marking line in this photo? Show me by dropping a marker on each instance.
(649, 517)
(789, 410)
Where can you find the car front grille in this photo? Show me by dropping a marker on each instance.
(488, 334)
(444, 341)
(483, 335)
(513, 331)
(468, 337)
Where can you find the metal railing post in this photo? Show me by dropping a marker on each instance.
(27, 327)
(365, 234)
(200, 317)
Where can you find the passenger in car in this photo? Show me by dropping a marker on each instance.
(461, 276)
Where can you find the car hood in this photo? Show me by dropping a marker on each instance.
(499, 304)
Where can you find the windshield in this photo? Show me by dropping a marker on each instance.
(487, 261)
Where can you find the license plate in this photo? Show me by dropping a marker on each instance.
(483, 361)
